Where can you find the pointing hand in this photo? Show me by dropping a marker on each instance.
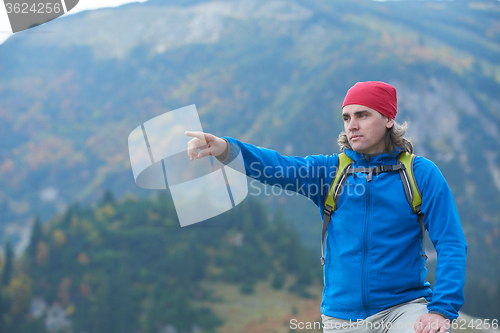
(204, 144)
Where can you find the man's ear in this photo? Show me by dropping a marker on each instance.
(389, 122)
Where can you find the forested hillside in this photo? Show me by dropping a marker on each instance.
(128, 267)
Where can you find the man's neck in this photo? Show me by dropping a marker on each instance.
(369, 156)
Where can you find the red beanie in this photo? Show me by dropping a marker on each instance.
(377, 95)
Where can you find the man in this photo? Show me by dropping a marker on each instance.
(374, 274)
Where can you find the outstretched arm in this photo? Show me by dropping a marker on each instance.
(309, 176)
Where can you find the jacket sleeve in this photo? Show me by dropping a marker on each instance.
(445, 231)
(308, 176)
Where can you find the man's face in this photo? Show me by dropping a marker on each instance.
(365, 128)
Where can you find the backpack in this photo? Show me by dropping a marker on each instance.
(344, 169)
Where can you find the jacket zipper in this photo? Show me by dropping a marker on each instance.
(364, 273)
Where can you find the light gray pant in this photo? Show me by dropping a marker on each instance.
(396, 319)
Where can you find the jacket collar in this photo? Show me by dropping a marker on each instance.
(373, 159)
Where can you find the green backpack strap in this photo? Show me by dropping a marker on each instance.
(344, 164)
(412, 191)
(344, 167)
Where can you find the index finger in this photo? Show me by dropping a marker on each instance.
(196, 134)
(418, 326)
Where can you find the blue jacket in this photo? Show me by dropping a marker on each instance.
(374, 244)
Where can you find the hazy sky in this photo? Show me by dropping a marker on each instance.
(81, 6)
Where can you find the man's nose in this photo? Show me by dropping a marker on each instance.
(353, 125)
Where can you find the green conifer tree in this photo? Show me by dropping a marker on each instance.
(36, 236)
(9, 264)
(108, 198)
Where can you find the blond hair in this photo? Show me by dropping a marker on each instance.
(394, 139)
